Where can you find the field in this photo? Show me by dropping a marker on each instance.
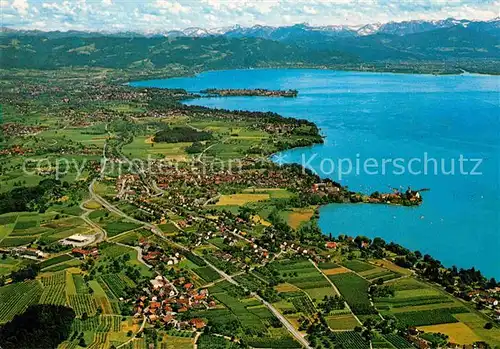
(398, 342)
(62, 266)
(357, 265)
(334, 271)
(17, 297)
(29, 228)
(256, 321)
(354, 289)
(10, 264)
(296, 217)
(74, 134)
(241, 199)
(115, 228)
(411, 295)
(207, 273)
(80, 285)
(132, 238)
(17, 241)
(458, 332)
(342, 322)
(392, 267)
(430, 317)
(141, 147)
(54, 294)
(168, 228)
(476, 323)
(351, 340)
(92, 205)
(55, 260)
(113, 250)
(301, 273)
(117, 283)
(83, 303)
(378, 273)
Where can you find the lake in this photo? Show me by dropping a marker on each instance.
(367, 118)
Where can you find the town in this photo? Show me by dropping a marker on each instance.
(246, 92)
(158, 243)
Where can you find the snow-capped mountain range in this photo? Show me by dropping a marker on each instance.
(304, 29)
(299, 32)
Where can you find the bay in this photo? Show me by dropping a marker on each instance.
(371, 117)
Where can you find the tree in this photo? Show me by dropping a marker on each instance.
(81, 342)
(488, 326)
(40, 326)
(27, 273)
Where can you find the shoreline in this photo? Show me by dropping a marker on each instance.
(313, 68)
(182, 102)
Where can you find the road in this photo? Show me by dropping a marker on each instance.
(101, 233)
(155, 230)
(139, 253)
(276, 313)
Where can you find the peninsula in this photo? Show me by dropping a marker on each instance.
(259, 92)
(153, 240)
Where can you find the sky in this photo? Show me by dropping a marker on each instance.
(164, 15)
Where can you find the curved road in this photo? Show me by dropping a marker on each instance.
(157, 232)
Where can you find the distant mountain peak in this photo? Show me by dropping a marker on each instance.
(300, 31)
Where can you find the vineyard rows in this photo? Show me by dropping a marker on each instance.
(115, 284)
(17, 297)
(80, 285)
(54, 294)
(429, 317)
(106, 288)
(98, 324)
(99, 341)
(54, 279)
(351, 340)
(398, 341)
(83, 303)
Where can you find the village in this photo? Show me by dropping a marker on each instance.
(183, 249)
(249, 92)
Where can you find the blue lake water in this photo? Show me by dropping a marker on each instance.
(369, 117)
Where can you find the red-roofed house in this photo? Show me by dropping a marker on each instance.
(197, 323)
(331, 245)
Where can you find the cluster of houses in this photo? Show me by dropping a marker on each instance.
(127, 184)
(84, 253)
(165, 300)
(105, 92)
(396, 197)
(489, 299)
(153, 257)
(260, 178)
(277, 128)
(16, 150)
(27, 252)
(325, 188)
(250, 92)
(12, 129)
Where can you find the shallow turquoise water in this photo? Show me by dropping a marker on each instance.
(389, 116)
